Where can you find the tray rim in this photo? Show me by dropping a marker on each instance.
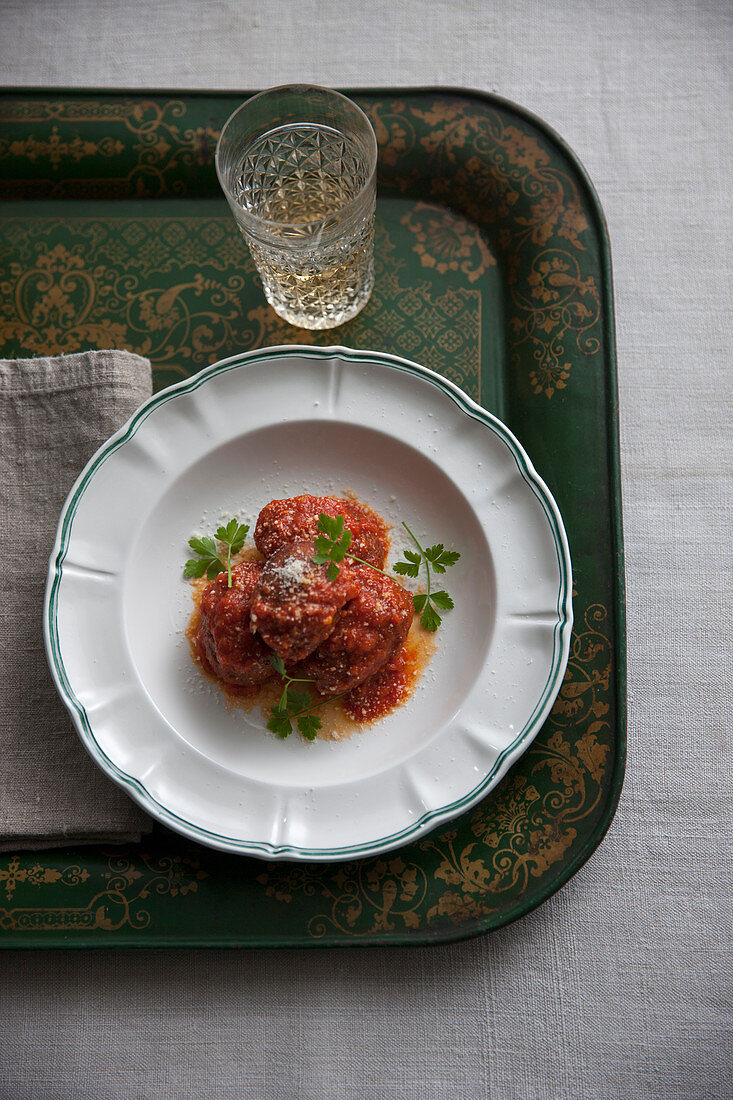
(611, 802)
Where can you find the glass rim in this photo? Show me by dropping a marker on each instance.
(277, 227)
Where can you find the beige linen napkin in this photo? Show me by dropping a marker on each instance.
(54, 414)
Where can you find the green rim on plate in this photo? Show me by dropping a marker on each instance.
(561, 631)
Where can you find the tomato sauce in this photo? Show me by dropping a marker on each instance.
(381, 693)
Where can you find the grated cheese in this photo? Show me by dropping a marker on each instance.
(292, 572)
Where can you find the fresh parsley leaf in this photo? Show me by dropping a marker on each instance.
(196, 567)
(332, 544)
(203, 546)
(233, 535)
(278, 664)
(295, 705)
(440, 558)
(309, 725)
(279, 722)
(342, 546)
(327, 524)
(436, 559)
(211, 562)
(298, 700)
(208, 561)
(430, 619)
(226, 534)
(406, 568)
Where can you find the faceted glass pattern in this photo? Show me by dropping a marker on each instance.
(292, 179)
(321, 288)
(295, 175)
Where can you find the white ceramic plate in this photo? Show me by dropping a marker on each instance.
(276, 423)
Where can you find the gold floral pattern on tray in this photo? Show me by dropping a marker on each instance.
(446, 242)
(560, 303)
(119, 894)
(450, 164)
(179, 290)
(518, 832)
(374, 895)
(36, 874)
(507, 182)
(437, 321)
(153, 144)
(503, 178)
(104, 283)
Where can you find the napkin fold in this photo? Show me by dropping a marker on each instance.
(54, 414)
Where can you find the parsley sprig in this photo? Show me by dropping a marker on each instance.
(332, 546)
(295, 705)
(435, 558)
(212, 559)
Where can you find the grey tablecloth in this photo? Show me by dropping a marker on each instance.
(619, 986)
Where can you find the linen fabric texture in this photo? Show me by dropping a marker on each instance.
(54, 414)
(619, 986)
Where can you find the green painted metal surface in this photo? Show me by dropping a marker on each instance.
(492, 268)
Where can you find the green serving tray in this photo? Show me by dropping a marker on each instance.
(492, 268)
